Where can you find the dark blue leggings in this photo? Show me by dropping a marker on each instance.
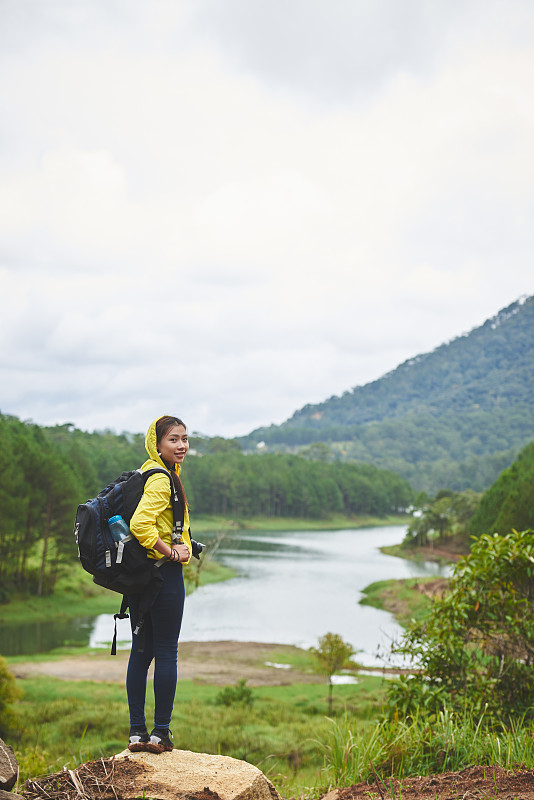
(162, 629)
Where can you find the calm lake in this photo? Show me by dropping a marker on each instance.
(291, 588)
(294, 587)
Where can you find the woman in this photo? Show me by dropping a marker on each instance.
(167, 444)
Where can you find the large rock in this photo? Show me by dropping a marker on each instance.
(180, 773)
(9, 768)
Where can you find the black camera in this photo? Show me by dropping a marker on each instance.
(197, 548)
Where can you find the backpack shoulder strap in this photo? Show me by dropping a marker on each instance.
(177, 508)
(121, 615)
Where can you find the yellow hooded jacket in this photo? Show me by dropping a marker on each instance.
(153, 515)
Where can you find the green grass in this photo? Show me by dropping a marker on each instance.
(285, 732)
(64, 723)
(398, 597)
(294, 656)
(407, 748)
(335, 522)
(417, 554)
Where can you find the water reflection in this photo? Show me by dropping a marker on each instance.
(41, 637)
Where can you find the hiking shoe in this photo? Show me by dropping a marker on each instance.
(138, 740)
(160, 741)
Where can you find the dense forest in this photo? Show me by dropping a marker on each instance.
(46, 472)
(455, 417)
(276, 485)
(509, 503)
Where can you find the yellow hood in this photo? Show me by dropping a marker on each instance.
(152, 446)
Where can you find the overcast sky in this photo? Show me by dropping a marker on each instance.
(226, 209)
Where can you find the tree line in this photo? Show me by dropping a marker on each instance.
(275, 485)
(46, 472)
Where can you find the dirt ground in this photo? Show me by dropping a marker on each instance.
(109, 779)
(216, 663)
(473, 783)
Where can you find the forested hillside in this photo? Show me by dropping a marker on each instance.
(455, 417)
(46, 472)
(509, 503)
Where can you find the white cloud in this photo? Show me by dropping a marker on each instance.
(192, 216)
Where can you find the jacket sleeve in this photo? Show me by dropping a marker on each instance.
(155, 500)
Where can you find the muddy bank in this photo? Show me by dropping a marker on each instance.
(217, 663)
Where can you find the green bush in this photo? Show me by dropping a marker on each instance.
(475, 649)
(233, 695)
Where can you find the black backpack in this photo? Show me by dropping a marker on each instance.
(122, 567)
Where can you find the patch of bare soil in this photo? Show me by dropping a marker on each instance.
(401, 608)
(216, 663)
(482, 783)
(433, 588)
(443, 553)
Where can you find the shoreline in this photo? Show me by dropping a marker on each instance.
(218, 663)
(337, 522)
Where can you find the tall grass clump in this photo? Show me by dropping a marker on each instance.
(416, 746)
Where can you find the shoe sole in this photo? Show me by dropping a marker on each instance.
(137, 747)
(157, 748)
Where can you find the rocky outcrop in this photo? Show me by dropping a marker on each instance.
(178, 775)
(9, 768)
(182, 774)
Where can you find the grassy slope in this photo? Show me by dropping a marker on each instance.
(67, 723)
(284, 732)
(400, 597)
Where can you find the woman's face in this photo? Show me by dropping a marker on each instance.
(174, 445)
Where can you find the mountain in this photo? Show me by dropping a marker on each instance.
(454, 417)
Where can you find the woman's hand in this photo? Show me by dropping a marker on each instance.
(176, 552)
(182, 552)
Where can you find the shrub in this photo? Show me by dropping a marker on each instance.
(238, 694)
(476, 647)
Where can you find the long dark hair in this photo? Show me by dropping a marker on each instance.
(162, 426)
